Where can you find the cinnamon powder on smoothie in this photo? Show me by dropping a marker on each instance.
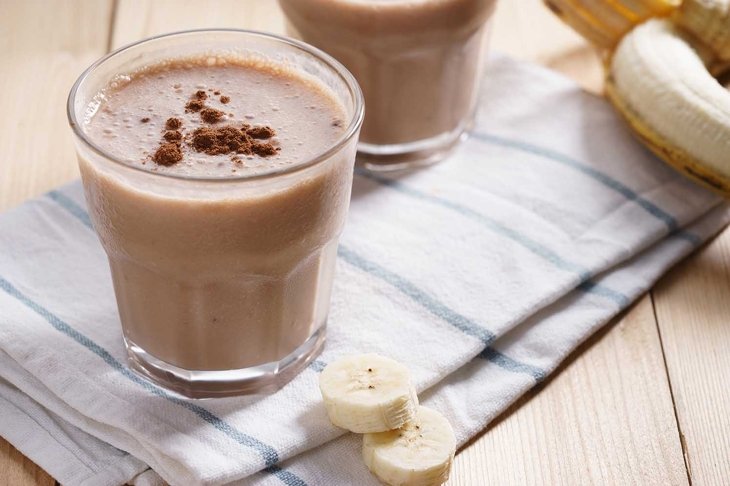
(172, 136)
(168, 154)
(232, 140)
(260, 132)
(223, 140)
(194, 105)
(173, 123)
(211, 115)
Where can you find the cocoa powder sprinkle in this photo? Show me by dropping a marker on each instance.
(194, 106)
(172, 136)
(261, 132)
(145, 119)
(211, 115)
(224, 140)
(263, 149)
(229, 140)
(168, 154)
(173, 123)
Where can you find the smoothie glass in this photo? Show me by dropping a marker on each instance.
(418, 63)
(222, 284)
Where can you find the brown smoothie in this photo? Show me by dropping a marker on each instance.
(234, 269)
(417, 61)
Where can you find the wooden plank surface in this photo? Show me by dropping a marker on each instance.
(693, 308)
(606, 418)
(18, 470)
(526, 29)
(45, 46)
(137, 19)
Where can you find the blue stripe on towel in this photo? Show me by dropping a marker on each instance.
(691, 238)
(286, 477)
(69, 205)
(589, 286)
(494, 225)
(317, 365)
(504, 361)
(434, 306)
(583, 274)
(595, 174)
(443, 312)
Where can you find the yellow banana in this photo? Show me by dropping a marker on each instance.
(604, 22)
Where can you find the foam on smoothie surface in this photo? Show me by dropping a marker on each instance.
(215, 117)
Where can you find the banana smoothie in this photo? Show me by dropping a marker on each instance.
(417, 61)
(219, 214)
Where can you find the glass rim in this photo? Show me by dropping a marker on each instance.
(331, 62)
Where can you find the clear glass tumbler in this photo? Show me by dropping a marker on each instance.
(418, 63)
(222, 285)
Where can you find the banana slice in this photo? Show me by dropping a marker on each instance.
(368, 393)
(419, 454)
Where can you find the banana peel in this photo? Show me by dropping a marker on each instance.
(662, 58)
(605, 22)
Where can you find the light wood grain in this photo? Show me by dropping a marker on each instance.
(18, 470)
(693, 308)
(45, 46)
(606, 418)
(137, 19)
(526, 29)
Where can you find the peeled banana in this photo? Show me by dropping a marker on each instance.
(661, 76)
(661, 86)
(368, 393)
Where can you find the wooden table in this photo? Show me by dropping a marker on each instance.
(646, 401)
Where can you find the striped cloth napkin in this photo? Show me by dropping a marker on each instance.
(480, 273)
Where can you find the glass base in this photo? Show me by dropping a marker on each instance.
(404, 156)
(266, 378)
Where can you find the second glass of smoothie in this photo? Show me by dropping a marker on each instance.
(418, 63)
(217, 167)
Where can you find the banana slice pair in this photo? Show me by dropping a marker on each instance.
(403, 444)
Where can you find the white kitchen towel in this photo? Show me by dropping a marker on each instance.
(470, 398)
(489, 267)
